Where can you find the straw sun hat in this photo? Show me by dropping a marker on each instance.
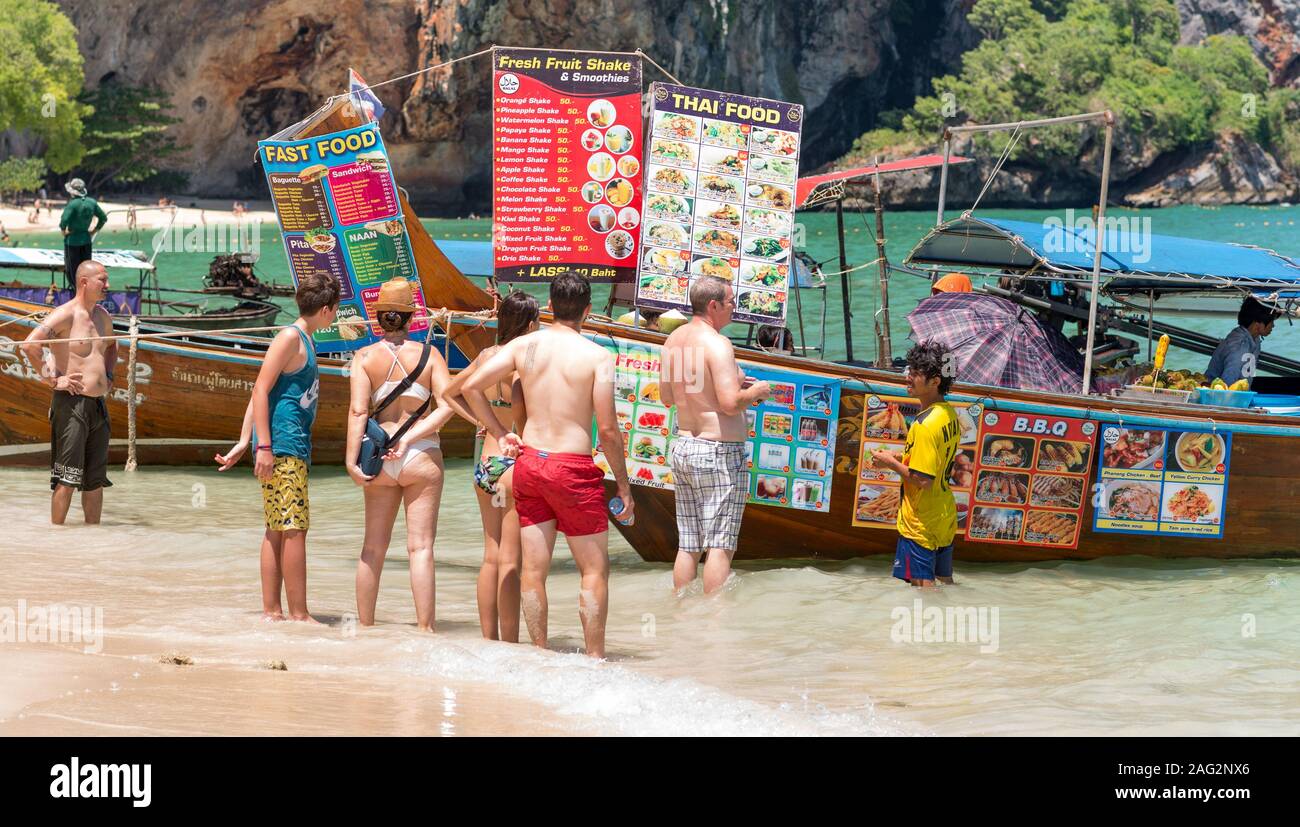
(396, 294)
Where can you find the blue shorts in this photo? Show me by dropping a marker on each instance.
(913, 561)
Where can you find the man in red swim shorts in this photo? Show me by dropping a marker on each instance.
(566, 379)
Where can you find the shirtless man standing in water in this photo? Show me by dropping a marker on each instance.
(698, 373)
(565, 378)
(81, 374)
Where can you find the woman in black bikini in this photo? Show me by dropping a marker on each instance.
(498, 579)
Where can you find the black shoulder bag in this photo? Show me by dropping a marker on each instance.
(375, 440)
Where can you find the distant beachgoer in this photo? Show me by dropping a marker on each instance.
(498, 578)
(237, 209)
(775, 339)
(1236, 356)
(566, 378)
(283, 408)
(698, 374)
(35, 214)
(81, 374)
(927, 515)
(951, 283)
(78, 235)
(410, 377)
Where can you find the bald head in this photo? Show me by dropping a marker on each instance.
(92, 278)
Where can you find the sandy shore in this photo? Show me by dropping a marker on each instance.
(189, 212)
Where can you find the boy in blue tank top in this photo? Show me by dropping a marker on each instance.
(284, 406)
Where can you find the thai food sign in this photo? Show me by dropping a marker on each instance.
(720, 173)
(1031, 479)
(566, 168)
(791, 436)
(1155, 481)
(340, 214)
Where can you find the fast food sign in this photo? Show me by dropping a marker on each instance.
(340, 214)
(720, 173)
(1165, 482)
(1031, 479)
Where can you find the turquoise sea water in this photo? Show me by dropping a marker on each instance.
(1274, 227)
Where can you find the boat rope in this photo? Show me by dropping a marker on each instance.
(130, 395)
(1006, 154)
(667, 73)
(433, 316)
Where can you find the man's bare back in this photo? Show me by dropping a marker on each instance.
(698, 361)
(558, 369)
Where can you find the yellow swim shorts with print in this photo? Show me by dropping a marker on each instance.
(284, 496)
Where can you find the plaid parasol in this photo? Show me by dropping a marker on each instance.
(998, 342)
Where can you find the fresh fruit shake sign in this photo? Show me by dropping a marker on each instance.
(1156, 481)
(885, 422)
(566, 168)
(791, 435)
(719, 199)
(340, 214)
(1031, 479)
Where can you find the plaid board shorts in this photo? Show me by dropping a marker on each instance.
(284, 496)
(711, 486)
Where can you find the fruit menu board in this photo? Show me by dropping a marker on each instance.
(791, 442)
(566, 168)
(1154, 481)
(647, 425)
(340, 214)
(791, 436)
(1031, 479)
(719, 199)
(885, 422)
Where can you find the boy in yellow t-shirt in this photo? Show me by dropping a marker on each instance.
(927, 514)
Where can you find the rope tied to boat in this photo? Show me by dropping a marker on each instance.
(130, 395)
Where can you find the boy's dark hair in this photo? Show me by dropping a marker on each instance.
(1253, 311)
(316, 290)
(515, 315)
(773, 337)
(392, 320)
(570, 295)
(933, 360)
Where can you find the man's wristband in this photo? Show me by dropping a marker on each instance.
(263, 447)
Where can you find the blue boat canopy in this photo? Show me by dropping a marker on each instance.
(1131, 262)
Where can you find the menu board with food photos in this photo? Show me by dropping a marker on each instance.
(1031, 479)
(885, 422)
(340, 215)
(791, 436)
(566, 168)
(719, 199)
(1157, 481)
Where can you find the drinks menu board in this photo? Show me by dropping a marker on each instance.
(339, 214)
(1155, 481)
(791, 436)
(885, 423)
(719, 199)
(566, 135)
(1031, 479)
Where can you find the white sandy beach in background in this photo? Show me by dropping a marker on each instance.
(189, 212)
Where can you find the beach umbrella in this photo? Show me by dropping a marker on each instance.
(998, 342)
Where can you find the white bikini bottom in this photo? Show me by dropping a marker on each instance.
(394, 467)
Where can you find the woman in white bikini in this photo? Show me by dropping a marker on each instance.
(412, 472)
(498, 579)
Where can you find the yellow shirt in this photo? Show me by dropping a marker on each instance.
(929, 516)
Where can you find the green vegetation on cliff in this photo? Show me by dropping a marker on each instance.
(1046, 58)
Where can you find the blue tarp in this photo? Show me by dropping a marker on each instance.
(1149, 260)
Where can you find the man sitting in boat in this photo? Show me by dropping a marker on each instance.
(1237, 354)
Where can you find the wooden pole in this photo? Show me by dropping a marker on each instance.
(130, 395)
(1099, 243)
(844, 282)
(884, 346)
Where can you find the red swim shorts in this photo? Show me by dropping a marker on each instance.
(567, 488)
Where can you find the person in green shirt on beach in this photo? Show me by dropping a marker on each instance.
(77, 232)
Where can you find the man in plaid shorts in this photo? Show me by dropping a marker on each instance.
(699, 375)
